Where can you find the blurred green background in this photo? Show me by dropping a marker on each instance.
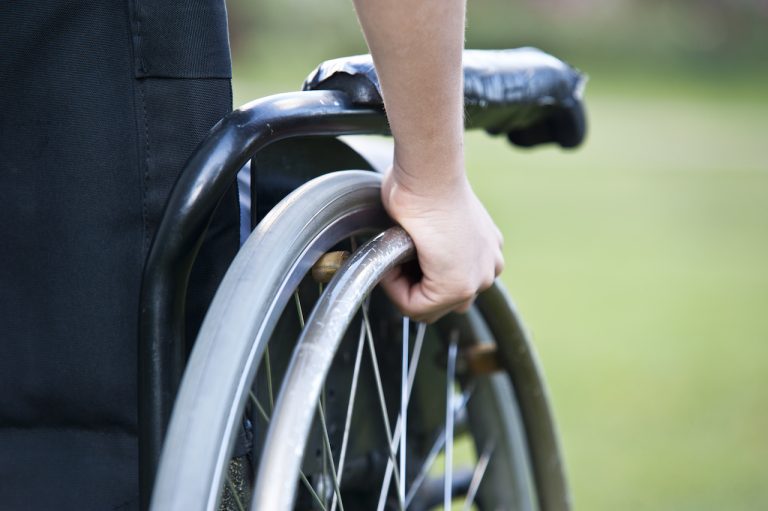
(640, 261)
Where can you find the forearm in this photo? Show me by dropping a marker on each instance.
(417, 46)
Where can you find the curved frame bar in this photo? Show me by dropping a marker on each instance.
(205, 178)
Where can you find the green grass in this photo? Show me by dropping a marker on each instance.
(640, 263)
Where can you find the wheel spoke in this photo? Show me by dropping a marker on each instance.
(420, 333)
(258, 406)
(299, 311)
(449, 393)
(303, 477)
(477, 476)
(268, 368)
(434, 451)
(321, 403)
(382, 402)
(312, 491)
(327, 445)
(300, 314)
(377, 376)
(350, 407)
(321, 408)
(404, 405)
(437, 446)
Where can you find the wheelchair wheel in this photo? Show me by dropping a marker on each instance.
(460, 391)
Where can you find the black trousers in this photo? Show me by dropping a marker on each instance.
(101, 102)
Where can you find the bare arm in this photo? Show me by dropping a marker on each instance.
(417, 45)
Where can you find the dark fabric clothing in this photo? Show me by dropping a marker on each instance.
(101, 102)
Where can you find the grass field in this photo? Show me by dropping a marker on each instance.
(641, 265)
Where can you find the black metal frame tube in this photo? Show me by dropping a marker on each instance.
(206, 176)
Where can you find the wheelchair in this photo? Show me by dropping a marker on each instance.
(305, 388)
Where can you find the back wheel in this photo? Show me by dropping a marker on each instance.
(225, 403)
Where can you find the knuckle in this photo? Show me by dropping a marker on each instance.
(466, 291)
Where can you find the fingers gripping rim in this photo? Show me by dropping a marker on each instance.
(239, 323)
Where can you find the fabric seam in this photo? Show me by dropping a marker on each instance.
(145, 180)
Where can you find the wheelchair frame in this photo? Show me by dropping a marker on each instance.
(208, 174)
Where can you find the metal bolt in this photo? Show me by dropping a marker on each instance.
(327, 266)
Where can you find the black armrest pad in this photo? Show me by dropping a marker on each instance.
(524, 93)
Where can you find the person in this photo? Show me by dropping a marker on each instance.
(101, 103)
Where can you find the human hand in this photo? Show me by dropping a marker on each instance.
(457, 245)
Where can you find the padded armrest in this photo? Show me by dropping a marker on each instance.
(526, 94)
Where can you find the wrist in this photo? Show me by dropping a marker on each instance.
(428, 180)
(429, 171)
(406, 196)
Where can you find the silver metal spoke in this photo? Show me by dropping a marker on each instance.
(268, 368)
(350, 406)
(420, 333)
(377, 376)
(258, 406)
(327, 446)
(449, 383)
(321, 407)
(303, 477)
(299, 311)
(434, 451)
(382, 402)
(312, 491)
(404, 405)
(477, 475)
